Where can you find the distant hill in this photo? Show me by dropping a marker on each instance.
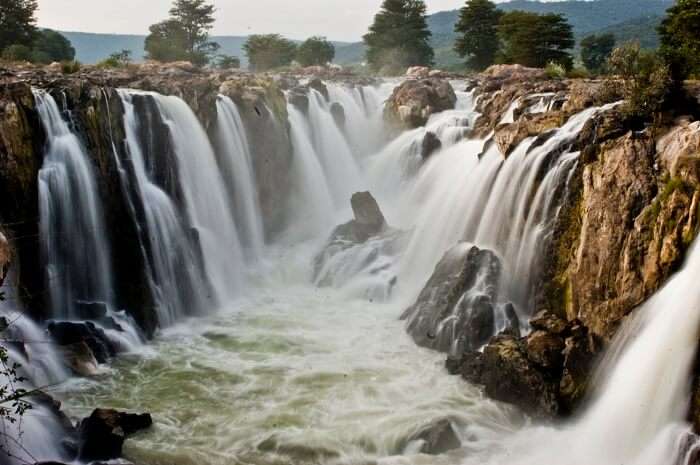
(627, 19)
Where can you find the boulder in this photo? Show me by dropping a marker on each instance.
(318, 85)
(509, 136)
(514, 73)
(413, 101)
(338, 113)
(103, 433)
(545, 349)
(580, 352)
(436, 438)
(418, 72)
(431, 144)
(547, 321)
(66, 333)
(455, 309)
(508, 375)
(80, 359)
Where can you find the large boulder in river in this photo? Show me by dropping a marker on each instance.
(412, 102)
(103, 433)
(67, 333)
(455, 311)
(435, 438)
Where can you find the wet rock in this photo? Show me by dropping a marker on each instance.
(547, 321)
(545, 349)
(338, 113)
(66, 333)
(509, 136)
(449, 309)
(319, 86)
(580, 351)
(418, 72)
(436, 438)
(512, 320)
(514, 73)
(103, 433)
(80, 359)
(413, 101)
(366, 211)
(508, 375)
(299, 99)
(5, 257)
(91, 310)
(431, 144)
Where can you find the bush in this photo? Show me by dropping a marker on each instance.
(228, 62)
(17, 53)
(555, 70)
(70, 67)
(578, 72)
(116, 60)
(643, 79)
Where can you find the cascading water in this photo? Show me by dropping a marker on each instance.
(175, 279)
(72, 228)
(237, 168)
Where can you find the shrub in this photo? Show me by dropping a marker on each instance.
(643, 78)
(555, 70)
(116, 60)
(70, 67)
(578, 72)
(17, 53)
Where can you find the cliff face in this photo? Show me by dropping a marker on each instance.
(97, 115)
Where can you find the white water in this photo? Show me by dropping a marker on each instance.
(293, 374)
(72, 232)
(238, 171)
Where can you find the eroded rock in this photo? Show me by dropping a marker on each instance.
(66, 333)
(435, 438)
(413, 101)
(103, 433)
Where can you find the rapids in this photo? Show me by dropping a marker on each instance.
(265, 368)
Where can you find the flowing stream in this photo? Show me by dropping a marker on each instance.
(257, 365)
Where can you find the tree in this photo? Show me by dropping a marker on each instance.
(228, 62)
(185, 35)
(269, 51)
(477, 33)
(399, 36)
(595, 50)
(117, 60)
(17, 22)
(315, 51)
(51, 46)
(535, 40)
(17, 53)
(680, 39)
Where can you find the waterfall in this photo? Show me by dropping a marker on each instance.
(237, 168)
(206, 203)
(72, 231)
(174, 276)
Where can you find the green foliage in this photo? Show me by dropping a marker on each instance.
(595, 50)
(535, 40)
(17, 22)
(643, 79)
(578, 72)
(228, 62)
(117, 60)
(70, 67)
(399, 37)
(51, 46)
(185, 35)
(680, 39)
(477, 33)
(316, 51)
(269, 51)
(17, 52)
(555, 70)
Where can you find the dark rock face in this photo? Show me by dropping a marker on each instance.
(66, 333)
(368, 222)
(338, 113)
(414, 101)
(436, 438)
(5, 257)
(545, 373)
(431, 144)
(103, 433)
(449, 312)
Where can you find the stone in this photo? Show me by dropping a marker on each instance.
(91, 310)
(414, 101)
(80, 359)
(545, 349)
(66, 333)
(366, 210)
(436, 438)
(580, 351)
(470, 319)
(512, 320)
(509, 136)
(103, 433)
(431, 144)
(418, 72)
(338, 113)
(319, 86)
(546, 321)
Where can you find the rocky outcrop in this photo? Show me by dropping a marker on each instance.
(455, 311)
(545, 373)
(75, 335)
(413, 101)
(436, 438)
(103, 433)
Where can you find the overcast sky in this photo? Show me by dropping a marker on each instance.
(298, 19)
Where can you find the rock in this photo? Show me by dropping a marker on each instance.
(102, 434)
(545, 349)
(338, 113)
(509, 136)
(431, 144)
(580, 352)
(299, 100)
(436, 438)
(80, 359)
(418, 72)
(679, 152)
(91, 310)
(507, 375)
(546, 321)
(413, 101)
(66, 333)
(517, 73)
(319, 86)
(5, 258)
(512, 320)
(443, 317)
(366, 211)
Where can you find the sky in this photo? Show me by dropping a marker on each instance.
(345, 20)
